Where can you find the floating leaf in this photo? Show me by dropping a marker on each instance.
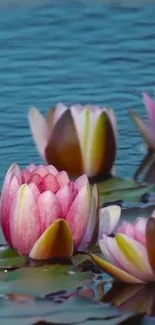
(43, 280)
(80, 258)
(127, 195)
(128, 190)
(14, 262)
(7, 252)
(117, 183)
(76, 310)
(10, 259)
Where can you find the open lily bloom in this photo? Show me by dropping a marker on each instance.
(45, 215)
(78, 139)
(131, 253)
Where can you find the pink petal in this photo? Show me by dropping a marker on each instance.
(14, 186)
(12, 177)
(108, 219)
(140, 229)
(31, 167)
(93, 218)
(78, 107)
(71, 186)
(150, 106)
(49, 210)
(135, 257)
(59, 110)
(116, 272)
(14, 170)
(36, 179)
(94, 109)
(39, 129)
(6, 206)
(35, 191)
(74, 190)
(134, 230)
(49, 183)
(41, 170)
(62, 178)
(120, 260)
(24, 222)
(109, 248)
(65, 197)
(77, 216)
(127, 229)
(146, 130)
(26, 175)
(51, 169)
(113, 120)
(81, 182)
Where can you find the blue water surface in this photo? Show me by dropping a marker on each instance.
(74, 52)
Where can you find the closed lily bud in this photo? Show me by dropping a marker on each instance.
(45, 215)
(147, 129)
(78, 139)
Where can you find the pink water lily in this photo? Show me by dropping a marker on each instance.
(44, 214)
(146, 129)
(131, 253)
(78, 139)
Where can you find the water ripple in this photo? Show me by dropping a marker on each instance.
(86, 51)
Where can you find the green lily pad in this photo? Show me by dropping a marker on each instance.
(10, 259)
(13, 262)
(128, 190)
(130, 214)
(7, 252)
(117, 183)
(43, 280)
(75, 310)
(80, 258)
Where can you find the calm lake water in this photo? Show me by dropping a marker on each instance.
(74, 51)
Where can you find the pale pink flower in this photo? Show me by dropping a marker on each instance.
(131, 253)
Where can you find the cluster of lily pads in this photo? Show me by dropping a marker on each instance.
(53, 211)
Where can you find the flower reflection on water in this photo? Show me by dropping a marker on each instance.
(138, 298)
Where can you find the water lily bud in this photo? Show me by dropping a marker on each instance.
(78, 139)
